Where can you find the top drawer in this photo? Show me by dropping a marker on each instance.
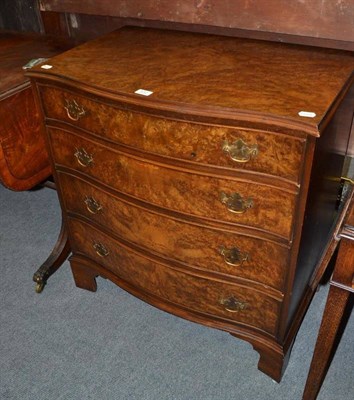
(227, 147)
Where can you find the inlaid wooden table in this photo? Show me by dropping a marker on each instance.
(24, 160)
(341, 288)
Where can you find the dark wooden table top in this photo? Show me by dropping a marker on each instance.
(268, 79)
(18, 49)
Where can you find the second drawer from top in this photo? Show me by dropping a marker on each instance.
(242, 203)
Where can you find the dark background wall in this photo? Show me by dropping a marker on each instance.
(20, 15)
(322, 22)
(327, 19)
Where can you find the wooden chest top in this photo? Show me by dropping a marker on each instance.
(237, 78)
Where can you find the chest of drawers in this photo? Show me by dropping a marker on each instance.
(200, 173)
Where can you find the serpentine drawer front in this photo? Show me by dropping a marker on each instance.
(195, 182)
(197, 293)
(226, 252)
(228, 147)
(191, 192)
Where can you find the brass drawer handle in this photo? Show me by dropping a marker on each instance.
(83, 157)
(92, 205)
(100, 249)
(233, 256)
(233, 305)
(239, 151)
(235, 202)
(73, 110)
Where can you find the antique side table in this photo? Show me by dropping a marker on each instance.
(341, 288)
(24, 161)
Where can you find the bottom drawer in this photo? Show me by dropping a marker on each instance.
(211, 297)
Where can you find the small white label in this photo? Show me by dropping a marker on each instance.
(46, 66)
(307, 114)
(143, 92)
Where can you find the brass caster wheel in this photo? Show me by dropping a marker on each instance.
(39, 287)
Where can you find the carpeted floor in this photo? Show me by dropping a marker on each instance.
(67, 343)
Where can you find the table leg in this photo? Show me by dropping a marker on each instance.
(332, 317)
(58, 255)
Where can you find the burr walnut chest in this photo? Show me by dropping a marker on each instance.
(200, 173)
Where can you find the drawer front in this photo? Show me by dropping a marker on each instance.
(233, 148)
(201, 247)
(231, 302)
(236, 202)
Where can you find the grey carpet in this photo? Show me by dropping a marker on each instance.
(67, 343)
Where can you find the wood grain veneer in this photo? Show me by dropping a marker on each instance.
(278, 156)
(180, 288)
(187, 191)
(200, 86)
(23, 157)
(129, 219)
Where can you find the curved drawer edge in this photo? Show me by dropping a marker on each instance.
(195, 112)
(266, 179)
(203, 222)
(183, 266)
(180, 215)
(230, 301)
(247, 332)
